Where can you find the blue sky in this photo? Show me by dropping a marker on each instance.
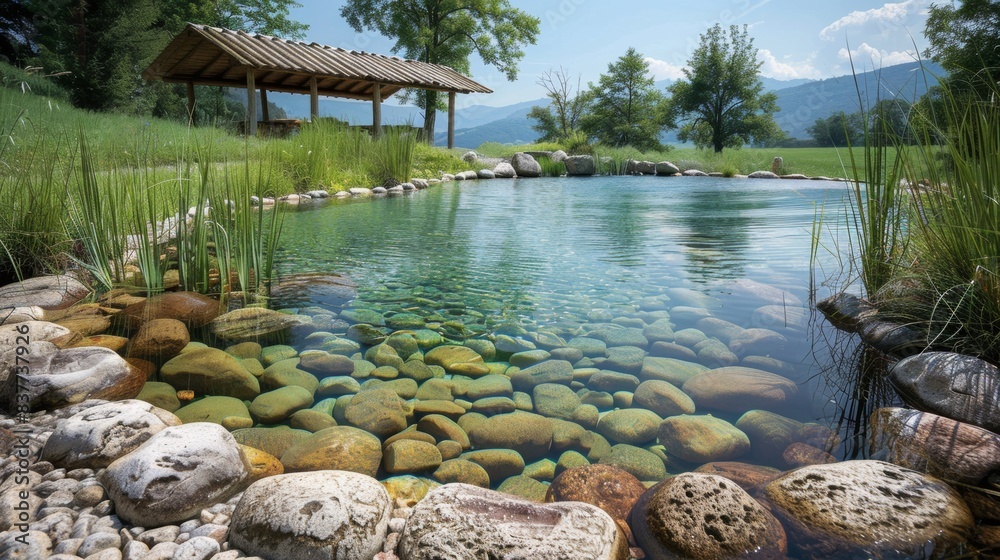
(796, 39)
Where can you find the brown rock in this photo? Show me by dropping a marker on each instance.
(338, 448)
(261, 464)
(378, 411)
(801, 454)
(461, 470)
(410, 456)
(705, 517)
(702, 439)
(527, 433)
(159, 340)
(605, 486)
(191, 308)
(738, 389)
(750, 477)
(111, 342)
(208, 371)
(935, 445)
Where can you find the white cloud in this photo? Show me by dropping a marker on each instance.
(866, 52)
(662, 69)
(785, 69)
(889, 16)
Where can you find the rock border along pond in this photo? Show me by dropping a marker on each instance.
(391, 437)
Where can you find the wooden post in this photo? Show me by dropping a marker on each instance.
(451, 121)
(190, 93)
(251, 104)
(377, 111)
(313, 99)
(263, 104)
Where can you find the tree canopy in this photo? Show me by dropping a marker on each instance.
(722, 104)
(964, 41)
(839, 130)
(99, 47)
(625, 108)
(447, 32)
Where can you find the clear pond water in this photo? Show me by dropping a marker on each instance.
(548, 260)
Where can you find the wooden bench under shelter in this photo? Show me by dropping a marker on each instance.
(203, 55)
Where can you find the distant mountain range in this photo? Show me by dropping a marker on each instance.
(802, 102)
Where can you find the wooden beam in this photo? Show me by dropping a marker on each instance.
(251, 104)
(376, 110)
(263, 104)
(313, 99)
(451, 122)
(190, 107)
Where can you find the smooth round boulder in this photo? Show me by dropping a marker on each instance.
(462, 470)
(410, 456)
(175, 474)
(214, 410)
(934, 445)
(498, 463)
(641, 463)
(608, 487)
(336, 448)
(955, 386)
(254, 324)
(159, 340)
(161, 395)
(868, 508)
(277, 405)
(46, 292)
(705, 517)
(209, 371)
(527, 433)
(463, 521)
(324, 515)
(378, 411)
(634, 426)
(549, 371)
(58, 377)
(97, 436)
(191, 308)
(663, 398)
(702, 439)
(738, 389)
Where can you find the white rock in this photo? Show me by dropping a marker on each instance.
(58, 378)
(463, 521)
(319, 515)
(21, 314)
(97, 436)
(360, 191)
(525, 165)
(504, 170)
(666, 168)
(175, 474)
(196, 548)
(47, 292)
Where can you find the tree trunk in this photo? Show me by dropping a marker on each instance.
(430, 116)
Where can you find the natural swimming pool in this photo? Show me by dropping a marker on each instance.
(550, 263)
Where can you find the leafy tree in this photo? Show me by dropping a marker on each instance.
(561, 118)
(17, 29)
(928, 117)
(100, 45)
(625, 108)
(890, 123)
(839, 130)
(964, 41)
(722, 104)
(447, 32)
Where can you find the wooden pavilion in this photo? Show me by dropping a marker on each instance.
(202, 55)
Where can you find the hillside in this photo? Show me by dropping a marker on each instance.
(802, 105)
(802, 102)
